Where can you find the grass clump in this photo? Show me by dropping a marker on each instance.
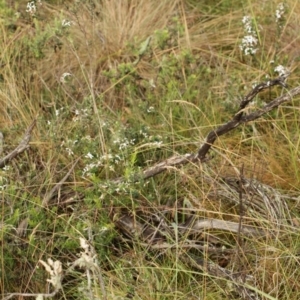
(116, 87)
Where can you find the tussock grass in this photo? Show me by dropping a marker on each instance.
(124, 105)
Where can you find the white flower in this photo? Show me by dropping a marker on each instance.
(57, 111)
(248, 45)
(158, 144)
(247, 24)
(150, 109)
(281, 70)
(66, 23)
(89, 155)
(63, 76)
(279, 12)
(87, 168)
(80, 114)
(250, 41)
(69, 151)
(6, 168)
(3, 187)
(151, 82)
(31, 8)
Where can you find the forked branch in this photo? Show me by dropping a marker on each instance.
(239, 118)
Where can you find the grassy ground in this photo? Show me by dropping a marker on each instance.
(122, 85)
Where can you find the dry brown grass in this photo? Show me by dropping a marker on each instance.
(105, 36)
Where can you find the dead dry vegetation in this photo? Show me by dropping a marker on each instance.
(145, 155)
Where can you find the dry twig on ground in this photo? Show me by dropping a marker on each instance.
(239, 118)
(24, 144)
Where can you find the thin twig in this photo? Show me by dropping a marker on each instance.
(48, 295)
(238, 118)
(24, 144)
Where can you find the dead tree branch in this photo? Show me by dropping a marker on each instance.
(24, 144)
(238, 119)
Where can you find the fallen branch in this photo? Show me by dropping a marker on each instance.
(238, 119)
(271, 105)
(233, 227)
(158, 168)
(24, 144)
(36, 295)
(153, 235)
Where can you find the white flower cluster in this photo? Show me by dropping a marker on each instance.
(279, 12)
(250, 41)
(124, 143)
(66, 23)
(67, 146)
(281, 70)
(100, 162)
(150, 109)
(81, 114)
(3, 180)
(31, 7)
(63, 77)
